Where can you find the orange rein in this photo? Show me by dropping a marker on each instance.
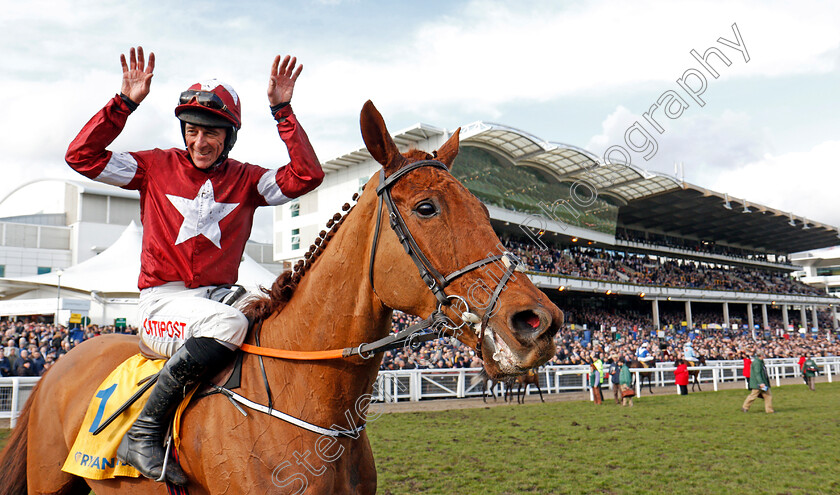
(296, 355)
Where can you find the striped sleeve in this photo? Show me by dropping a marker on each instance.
(88, 156)
(120, 169)
(269, 190)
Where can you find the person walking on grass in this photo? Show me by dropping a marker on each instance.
(615, 372)
(759, 384)
(809, 369)
(625, 380)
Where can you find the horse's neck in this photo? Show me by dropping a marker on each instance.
(332, 308)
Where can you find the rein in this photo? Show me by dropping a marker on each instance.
(434, 280)
(411, 336)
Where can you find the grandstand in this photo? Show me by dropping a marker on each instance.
(612, 237)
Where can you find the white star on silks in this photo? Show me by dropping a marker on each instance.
(201, 215)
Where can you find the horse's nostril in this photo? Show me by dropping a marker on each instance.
(533, 320)
(527, 322)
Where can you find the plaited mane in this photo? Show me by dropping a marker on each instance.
(284, 286)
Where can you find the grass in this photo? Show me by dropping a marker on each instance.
(700, 443)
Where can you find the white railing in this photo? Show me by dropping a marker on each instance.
(14, 391)
(416, 385)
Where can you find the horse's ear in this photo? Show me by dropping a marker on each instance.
(449, 150)
(379, 143)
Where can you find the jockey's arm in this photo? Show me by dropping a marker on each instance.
(303, 173)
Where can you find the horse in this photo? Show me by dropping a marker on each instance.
(642, 375)
(695, 374)
(342, 295)
(522, 381)
(488, 386)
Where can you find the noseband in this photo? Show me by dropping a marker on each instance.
(434, 280)
(411, 336)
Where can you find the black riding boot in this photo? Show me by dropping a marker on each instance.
(143, 446)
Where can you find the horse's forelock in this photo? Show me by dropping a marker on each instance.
(415, 155)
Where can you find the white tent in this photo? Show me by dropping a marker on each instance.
(107, 282)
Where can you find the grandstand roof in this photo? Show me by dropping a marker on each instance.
(694, 212)
(646, 200)
(567, 163)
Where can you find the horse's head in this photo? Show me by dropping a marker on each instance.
(450, 254)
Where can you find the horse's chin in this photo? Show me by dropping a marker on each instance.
(501, 361)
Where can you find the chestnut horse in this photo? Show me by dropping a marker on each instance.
(695, 374)
(331, 301)
(523, 381)
(644, 375)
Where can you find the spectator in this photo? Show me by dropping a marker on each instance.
(595, 384)
(38, 362)
(615, 375)
(24, 366)
(747, 367)
(5, 365)
(681, 376)
(626, 383)
(759, 384)
(809, 368)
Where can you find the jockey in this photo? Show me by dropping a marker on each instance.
(197, 207)
(643, 354)
(688, 353)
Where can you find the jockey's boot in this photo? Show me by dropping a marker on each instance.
(143, 446)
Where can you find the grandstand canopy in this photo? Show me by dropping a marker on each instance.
(694, 212)
(655, 202)
(627, 196)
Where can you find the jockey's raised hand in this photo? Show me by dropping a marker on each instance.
(281, 82)
(137, 76)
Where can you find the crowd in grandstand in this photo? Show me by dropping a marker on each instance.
(705, 247)
(30, 348)
(642, 269)
(621, 334)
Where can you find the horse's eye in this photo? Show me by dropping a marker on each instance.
(426, 209)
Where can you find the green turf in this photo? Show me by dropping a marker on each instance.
(701, 443)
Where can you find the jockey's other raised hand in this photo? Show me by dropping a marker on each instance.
(281, 82)
(137, 76)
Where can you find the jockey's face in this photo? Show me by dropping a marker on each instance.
(205, 144)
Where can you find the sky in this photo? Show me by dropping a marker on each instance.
(580, 73)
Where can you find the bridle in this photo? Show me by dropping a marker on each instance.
(434, 280)
(411, 336)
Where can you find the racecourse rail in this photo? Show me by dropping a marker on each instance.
(452, 383)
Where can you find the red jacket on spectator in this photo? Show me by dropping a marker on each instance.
(747, 364)
(681, 375)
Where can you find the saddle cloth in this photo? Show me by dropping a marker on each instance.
(95, 457)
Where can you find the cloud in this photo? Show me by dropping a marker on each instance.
(491, 52)
(794, 182)
(455, 63)
(705, 144)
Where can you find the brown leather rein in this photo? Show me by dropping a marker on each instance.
(433, 279)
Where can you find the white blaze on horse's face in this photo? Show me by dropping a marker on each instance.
(501, 354)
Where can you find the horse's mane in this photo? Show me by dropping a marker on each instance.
(281, 291)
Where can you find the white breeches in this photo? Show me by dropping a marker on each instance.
(170, 314)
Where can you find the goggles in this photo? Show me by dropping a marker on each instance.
(204, 98)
